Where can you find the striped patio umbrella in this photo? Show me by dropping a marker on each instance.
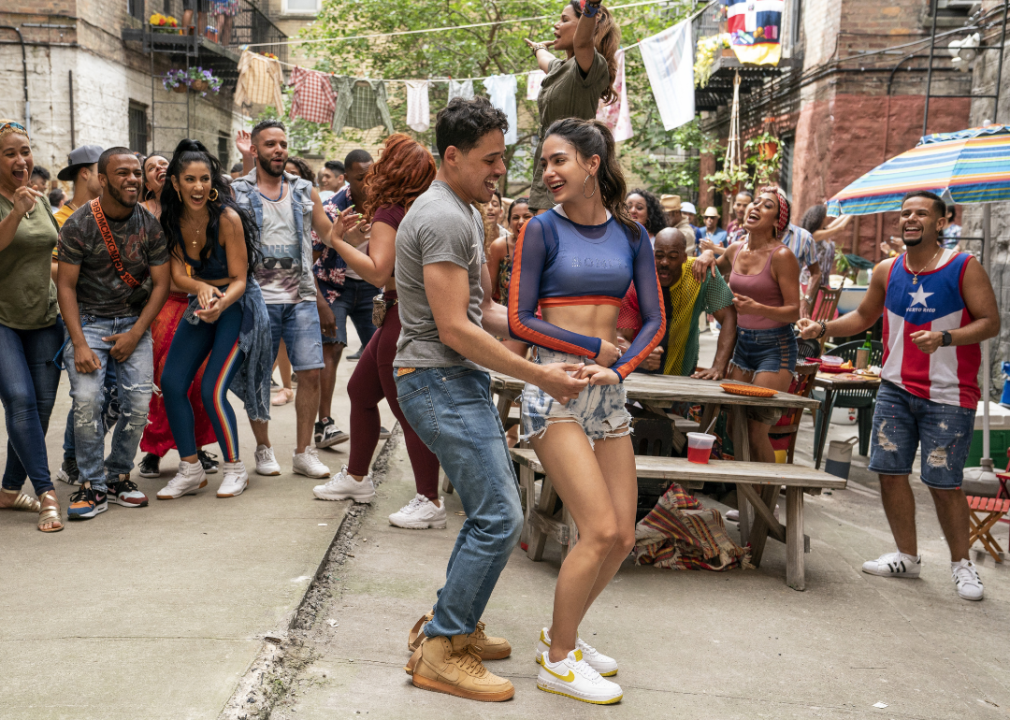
(970, 166)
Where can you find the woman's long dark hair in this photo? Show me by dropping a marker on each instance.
(186, 152)
(592, 137)
(655, 219)
(813, 218)
(607, 40)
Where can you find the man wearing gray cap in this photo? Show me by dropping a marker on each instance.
(82, 171)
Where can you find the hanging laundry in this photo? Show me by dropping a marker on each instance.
(259, 81)
(533, 82)
(461, 89)
(669, 63)
(617, 115)
(361, 104)
(501, 91)
(418, 110)
(313, 99)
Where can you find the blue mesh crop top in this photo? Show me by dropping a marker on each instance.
(559, 262)
(216, 265)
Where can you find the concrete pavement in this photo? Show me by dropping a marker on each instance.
(157, 612)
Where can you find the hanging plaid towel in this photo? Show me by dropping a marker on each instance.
(617, 115)
(679, 534)
(314, 99)
(259, 81)
(754, 29)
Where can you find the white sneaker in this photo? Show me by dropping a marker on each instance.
(235, 481)
(343, 487)
(573, 677)
(896, 564)
(966, 580)
(266, 463)
(420, 514)
(309, 464)
(603, 664)
(188, 480)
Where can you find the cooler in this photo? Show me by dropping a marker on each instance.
(999, 436)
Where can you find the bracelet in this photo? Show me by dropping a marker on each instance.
(589, 9)
(824, 328)
(537, 47)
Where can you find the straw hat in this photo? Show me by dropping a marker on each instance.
(670, 203)
(711, 212)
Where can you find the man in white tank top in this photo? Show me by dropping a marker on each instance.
(939, 306)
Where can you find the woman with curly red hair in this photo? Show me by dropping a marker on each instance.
(403, 173)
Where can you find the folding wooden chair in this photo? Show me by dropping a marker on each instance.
(985, 512)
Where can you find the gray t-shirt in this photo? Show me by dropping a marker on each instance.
(439, 227)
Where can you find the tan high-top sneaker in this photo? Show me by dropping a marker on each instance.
(451, 666)
(491, 648)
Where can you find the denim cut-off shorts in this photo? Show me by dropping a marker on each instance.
(904, 423)
(599, 409)
(767, 350)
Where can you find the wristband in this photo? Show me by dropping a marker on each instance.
(589, 9)
(537, 47)
(824, 329)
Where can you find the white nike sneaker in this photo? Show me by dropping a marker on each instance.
(266, 463)
(235, 481)
(573, 677)
(309, 464)
(420, 514)
(344, 487)
(966, 580)
(188, 480)
(603, 664)
(896, 564)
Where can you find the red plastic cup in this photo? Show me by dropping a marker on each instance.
(699, 447)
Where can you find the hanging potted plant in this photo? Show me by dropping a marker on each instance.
(163, 23)
(729, 180)
(176, 81)
(765, 159)
(203, 81)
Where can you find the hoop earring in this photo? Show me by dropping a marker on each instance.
(595, 185)
(212, 195)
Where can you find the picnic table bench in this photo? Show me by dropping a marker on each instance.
(542, 523)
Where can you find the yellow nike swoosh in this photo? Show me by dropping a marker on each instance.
(570, 677)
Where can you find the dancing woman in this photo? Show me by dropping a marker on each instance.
(158, 439)
(644, 208)
(403, 173)
(213, 245)
(576, 262)
(765, 281)
(590, 37)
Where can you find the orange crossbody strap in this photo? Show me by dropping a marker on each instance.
(110, 244)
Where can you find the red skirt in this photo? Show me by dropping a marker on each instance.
(157, 437)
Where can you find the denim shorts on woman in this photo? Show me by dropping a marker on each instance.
(768, 350)
(904, 423)
(599, 409)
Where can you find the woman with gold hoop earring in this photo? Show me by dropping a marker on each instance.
(157, 439)
(213, 245)
(575, 263)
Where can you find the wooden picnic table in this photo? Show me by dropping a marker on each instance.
(831, 383)
(656, 393)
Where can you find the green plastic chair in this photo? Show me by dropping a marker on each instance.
(862, 400)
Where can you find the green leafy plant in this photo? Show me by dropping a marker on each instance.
(728, 181)
(764, 158)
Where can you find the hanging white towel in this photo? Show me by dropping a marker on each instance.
(418, 111)
(533, 82)
(669, 62)
(617, 115)
(501, 90)
(461, 89)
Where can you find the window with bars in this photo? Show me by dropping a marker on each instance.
(138, 127)
(223, 143)
(786, 145)
(135, 8)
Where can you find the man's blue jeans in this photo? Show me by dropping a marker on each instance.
(451, 410)
(110, 411)
(135, 377)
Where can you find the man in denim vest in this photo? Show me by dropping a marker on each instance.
(286, 209)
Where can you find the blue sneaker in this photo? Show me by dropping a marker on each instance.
(86, 503)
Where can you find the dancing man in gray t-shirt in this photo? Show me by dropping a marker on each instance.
(446, 312)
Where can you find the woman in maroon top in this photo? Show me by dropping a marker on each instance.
(403, 173)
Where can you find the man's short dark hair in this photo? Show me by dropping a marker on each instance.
(462, 123)
(236, 168)
(336, 167)
(266, 125)
(41, 172)
(939, 206)
(56, 196)
(105, 157)
(356, 156)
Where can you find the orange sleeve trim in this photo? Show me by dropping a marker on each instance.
(583, 300)
(515, 325)
(626, 368)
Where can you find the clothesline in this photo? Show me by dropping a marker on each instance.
(376, 36)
